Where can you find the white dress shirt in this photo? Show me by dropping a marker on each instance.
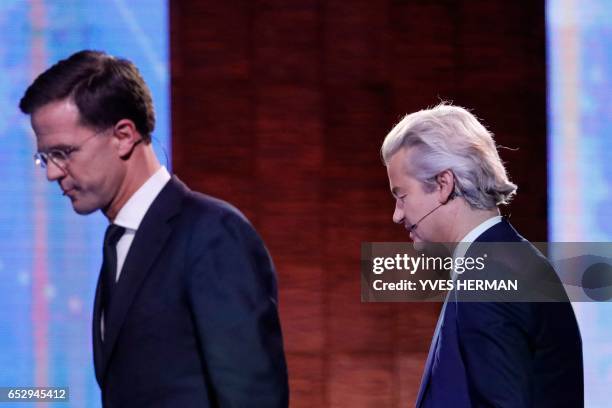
(130, 216)
(463, 245)
(133, 211)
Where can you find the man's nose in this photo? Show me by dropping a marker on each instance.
(54, 172)
(398, 214)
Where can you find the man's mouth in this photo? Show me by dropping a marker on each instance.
(67, 192)
(409, 228)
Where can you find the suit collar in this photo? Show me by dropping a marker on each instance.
(149, 241)
(132, 213)
(463, 245)
(501, 232)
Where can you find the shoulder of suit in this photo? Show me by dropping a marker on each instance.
(203, 207)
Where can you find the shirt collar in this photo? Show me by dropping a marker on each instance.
(133, 211)
(463, 245)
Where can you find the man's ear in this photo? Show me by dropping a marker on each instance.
(446, 185)
(127, 136)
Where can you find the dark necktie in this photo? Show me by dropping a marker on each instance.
(109, 266)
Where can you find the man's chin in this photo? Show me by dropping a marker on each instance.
(419, 245)
(81, 209)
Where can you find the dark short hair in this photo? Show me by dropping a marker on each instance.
(104, 88)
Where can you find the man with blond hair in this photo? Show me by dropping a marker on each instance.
(448, 182)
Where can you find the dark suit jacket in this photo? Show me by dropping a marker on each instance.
(505, 354)
(194, 320)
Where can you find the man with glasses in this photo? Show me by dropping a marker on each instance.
(185, 312)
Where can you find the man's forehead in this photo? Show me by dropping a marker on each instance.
(395, 181)
(398, 163)
(398, 170)
(55, 124)
(55, 116)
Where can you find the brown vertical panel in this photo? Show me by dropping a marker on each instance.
(212, 98)
(409, 369)
(306, 385)
(362, 380)
(361, 336)
(423, 56)
(501, 63)
(289, 159)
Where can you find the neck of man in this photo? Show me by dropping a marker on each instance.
(140, 167)
(466, 219)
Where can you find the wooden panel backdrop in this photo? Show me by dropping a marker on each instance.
(280, 107)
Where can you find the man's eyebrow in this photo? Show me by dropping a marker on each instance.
(60, 146)
(395, 191)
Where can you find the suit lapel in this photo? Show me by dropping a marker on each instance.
(96, 334)
(427, 371)
(500, 232)
(148, 243)
(432, 352)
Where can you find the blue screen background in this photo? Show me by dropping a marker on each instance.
(580, 158)
(50, 256)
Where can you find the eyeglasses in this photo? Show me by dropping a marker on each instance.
(60, 156)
